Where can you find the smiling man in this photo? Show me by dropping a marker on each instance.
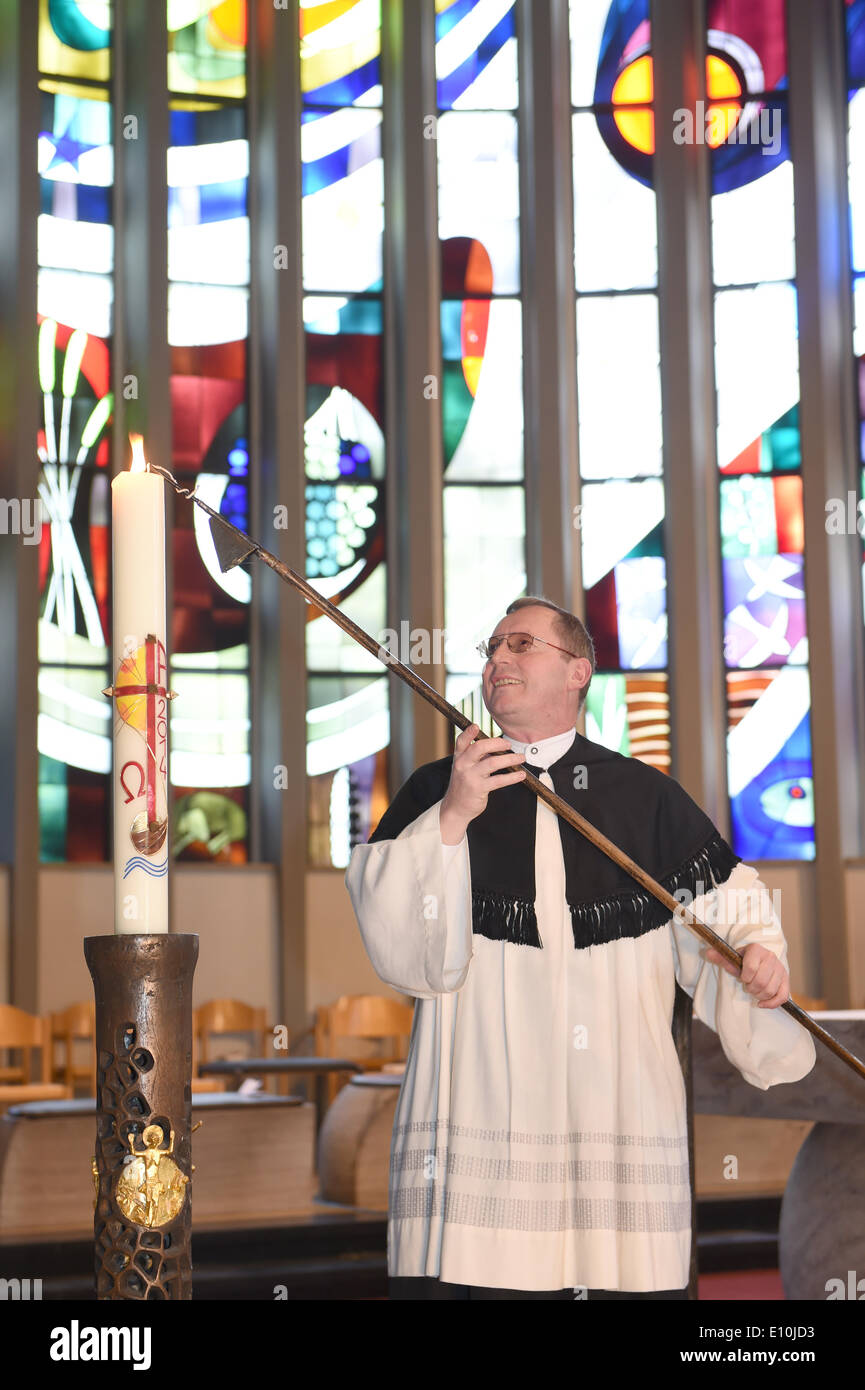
(540, 1140)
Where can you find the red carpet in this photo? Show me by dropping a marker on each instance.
(753, 1285)
(750, 1284)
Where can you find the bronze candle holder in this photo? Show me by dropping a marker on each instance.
(142, 1165)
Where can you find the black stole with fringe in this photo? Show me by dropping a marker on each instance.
(645, 812)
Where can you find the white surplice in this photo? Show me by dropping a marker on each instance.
(540, 1138)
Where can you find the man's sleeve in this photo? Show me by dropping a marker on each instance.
(767, 1045)
(412, 898)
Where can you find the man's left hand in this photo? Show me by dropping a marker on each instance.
(762, 974)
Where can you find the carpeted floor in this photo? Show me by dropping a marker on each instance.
(750, 1284)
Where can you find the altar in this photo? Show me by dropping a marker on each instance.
(822, 1229)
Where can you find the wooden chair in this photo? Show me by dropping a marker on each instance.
(20, 1031)
(361, 1016)
(79, 1022)
(222, 1017)
(74, 1025)
(809, 1002)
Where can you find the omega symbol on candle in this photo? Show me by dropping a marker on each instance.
(142, 703)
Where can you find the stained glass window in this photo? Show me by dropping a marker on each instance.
(758, 443)
(75, 313)
(208, 294)
(481, 391)
(348, 727)
(207, 47)
(74, 42)
(621, 449)
(620, 522)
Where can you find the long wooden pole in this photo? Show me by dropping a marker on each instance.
(233, 546)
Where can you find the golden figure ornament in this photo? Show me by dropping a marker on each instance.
(151, 1189)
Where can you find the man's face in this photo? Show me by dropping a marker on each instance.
(534, 694)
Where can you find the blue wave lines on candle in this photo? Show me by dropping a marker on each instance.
(139, 862)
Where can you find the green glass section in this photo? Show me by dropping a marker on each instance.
(605, 713)
(53, 808)
(781, 445)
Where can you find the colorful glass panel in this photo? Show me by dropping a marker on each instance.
(74, 806)
(340, 53)
(620, 518)
(476, 54)
(343, 229)
(208, 294)
(605, 38)
(481, 382)
(855, 15)
(343, 200)
(769, 769)
(75, 42)
(631, 715)
(207, 47)
(744, 117)
(75, 256)
(481, 389)
(759, 450)
(624, 573)
(347, 718)
(478, 185)
(759, 33)
(759, 445)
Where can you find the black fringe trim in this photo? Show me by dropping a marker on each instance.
(607, 919)
(505, 919)
(633, 914)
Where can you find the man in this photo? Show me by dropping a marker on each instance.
(540, 1140)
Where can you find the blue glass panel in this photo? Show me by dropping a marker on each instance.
(769, 764)
(625, 36)
(344, 91)
(468, 74)
(856, 42)
(764, 601)
(773, 817)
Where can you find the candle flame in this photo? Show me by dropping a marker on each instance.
(139, 462)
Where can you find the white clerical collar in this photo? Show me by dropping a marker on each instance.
(545, 751)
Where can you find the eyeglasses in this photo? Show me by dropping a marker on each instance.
(518, 642)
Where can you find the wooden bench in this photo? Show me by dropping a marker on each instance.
(253, 1155)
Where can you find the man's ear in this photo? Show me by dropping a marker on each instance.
(580, 673)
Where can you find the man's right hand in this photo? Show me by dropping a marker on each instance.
(473, 777)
